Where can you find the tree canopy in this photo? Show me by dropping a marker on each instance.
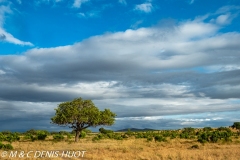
(236, 125)
(79, 114)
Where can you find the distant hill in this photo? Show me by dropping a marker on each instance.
(135, 129)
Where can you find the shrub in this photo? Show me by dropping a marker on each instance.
(236, 125)
(6, 132)
(27, 136)
(41, 135)
(159, 138)
(12, 137)
(87, 130)
(32, 132)
(189, 130)
(149, 139)
(58, 137)
(224, 129)
(129, 133)
(2, 137)
(95, 139)
(207, 129)
(184, 135)
(105, 131)
(118, 137)
(82, 134)
(6, 146)
(1, 146)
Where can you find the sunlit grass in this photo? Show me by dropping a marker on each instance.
(132, 148)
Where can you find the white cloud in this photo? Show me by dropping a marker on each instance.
(78, 3)
(145, 7)
(124, 2)
(11, 39)
(223, 19)
(4, 35)
(145, 73)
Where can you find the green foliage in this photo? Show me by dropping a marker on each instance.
(58, 137)
(6, 132)
(12, 137)
(105, 131)
(159, 138)
(87, 130)
(207, 129)
(29, 136)
(41, 135)
(9, 137)
(149, 139)
(189, 130)
(168, 133)
(184, 136)
(32, 132)
(187, 133)
(6, 146)
(118, 137)
(2, 137)
(82, 134)
(129, 133)
(80, 114)
(224, 129)
(63, 132)
(236, 125)
(215, 136)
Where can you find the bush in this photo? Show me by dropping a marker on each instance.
(6, 132)
(41, 135)
(224, 129)
(12, 137)
(82, 134)
(189, 130)
(58, 137)
(149, 139)
(6, 146)
(184, 135)
(159, 138)
(2, 137)
(87, 130)
(95, 139)
(118, 137)
(32, 132)
(207, 129)
(1, 146)
(236, 125)
(104, 131)
(214, 136)
(129, 133)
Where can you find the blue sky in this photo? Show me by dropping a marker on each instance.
(158, 64)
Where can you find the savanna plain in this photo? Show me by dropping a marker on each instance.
(186, 144)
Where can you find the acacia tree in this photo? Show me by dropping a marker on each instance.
(80, 114)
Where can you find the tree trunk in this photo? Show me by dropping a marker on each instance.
(77, 135)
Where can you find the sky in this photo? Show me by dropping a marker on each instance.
(160, 64)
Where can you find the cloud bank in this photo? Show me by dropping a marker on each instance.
(142, 75)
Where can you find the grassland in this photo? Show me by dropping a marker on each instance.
(132, 148)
